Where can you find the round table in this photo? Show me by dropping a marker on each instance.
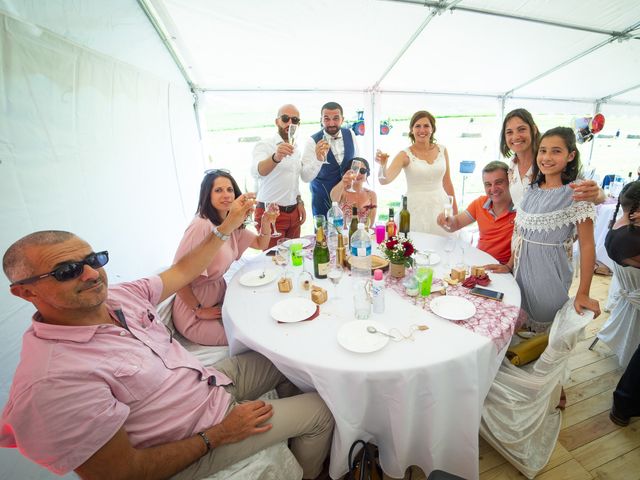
(420, 401)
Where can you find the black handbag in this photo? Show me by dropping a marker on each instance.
(363, 462)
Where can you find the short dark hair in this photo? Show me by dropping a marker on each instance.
(417, 116)
(345, 166)
(527, 118)
(332, 106)
(571, 171)
(205, 209)
(495, 165)
(15, 263)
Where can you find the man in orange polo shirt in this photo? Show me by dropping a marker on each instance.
(494, 213)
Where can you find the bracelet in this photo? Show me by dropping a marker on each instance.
(273, 158)
(196, 308)
(206, 440)
(220, 235)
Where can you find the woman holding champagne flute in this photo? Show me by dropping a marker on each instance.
(426, 167)
(197, 309)
(351, 192)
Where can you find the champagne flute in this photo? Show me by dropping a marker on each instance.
(449, 245)
(448, 210)
(329, 139)
(273, 210)
(249, 221)
(356, 165)
(292, 132)
(383, 158)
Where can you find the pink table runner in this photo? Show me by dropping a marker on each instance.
(495, 320)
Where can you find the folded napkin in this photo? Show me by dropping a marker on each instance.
(528, 350)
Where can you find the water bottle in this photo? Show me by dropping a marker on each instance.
(377, 292)
(335, 224)
(361, 271)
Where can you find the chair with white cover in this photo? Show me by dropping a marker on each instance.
(621, 332)
(519, 418)
(273, 463)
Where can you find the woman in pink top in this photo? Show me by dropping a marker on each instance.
(197, 309)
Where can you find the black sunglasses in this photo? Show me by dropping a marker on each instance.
(71, 270)
(285, 119)
(216, 170)
(364, 171)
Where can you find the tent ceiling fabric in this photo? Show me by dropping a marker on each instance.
(333, 45)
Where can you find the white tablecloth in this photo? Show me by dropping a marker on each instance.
(419, 401)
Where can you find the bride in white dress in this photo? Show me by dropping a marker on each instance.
(426, 167)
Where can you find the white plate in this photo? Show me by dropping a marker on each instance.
(452, 307)
(304, 241)
(354, 336)
(252, 278)
(293, 310)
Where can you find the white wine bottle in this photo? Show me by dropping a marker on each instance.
(405, 218)
(321, 255)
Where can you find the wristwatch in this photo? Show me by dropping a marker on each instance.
(219, 234)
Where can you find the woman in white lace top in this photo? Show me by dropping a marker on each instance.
(547, 221)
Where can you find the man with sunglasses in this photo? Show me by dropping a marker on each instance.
(333, 143)
(103, 389)
(277, 166)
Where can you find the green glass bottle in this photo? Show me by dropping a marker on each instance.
(353, 226)
(405, 218)
(320, 255)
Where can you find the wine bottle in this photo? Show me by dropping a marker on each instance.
(320, 255)
(353, 226)
(405, 218)
(391, 225)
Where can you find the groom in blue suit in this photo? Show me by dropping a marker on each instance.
(343, 147)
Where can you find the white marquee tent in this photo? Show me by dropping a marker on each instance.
(100, 125)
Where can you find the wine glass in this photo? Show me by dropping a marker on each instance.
(335, 275)
(449, 245)
(329, 139)
(273, 210)
(356, 165)
(383, 157)
(293, 131)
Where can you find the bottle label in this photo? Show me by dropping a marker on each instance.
(338, 223)
(323, 269)
(361, 251)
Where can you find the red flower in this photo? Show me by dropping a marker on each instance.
(391, 243)
(408, 249)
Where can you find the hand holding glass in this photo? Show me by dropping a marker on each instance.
(273, 210)
(448, 210)
(381, 158)
(355, 168)
(329, 139)
(293, 130)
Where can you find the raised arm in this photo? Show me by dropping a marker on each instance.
(447, 184)
(456, 222)
(189, 267)
(400, 161)
(587, 262)
(118, 459)
(340, 187)
(587, 191)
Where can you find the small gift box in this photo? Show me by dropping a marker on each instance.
(318, 295)
(458, 274)
(477, 271)
(285, 285)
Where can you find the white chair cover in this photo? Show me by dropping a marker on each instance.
(621, 332)
(519, 417)
(273, 463)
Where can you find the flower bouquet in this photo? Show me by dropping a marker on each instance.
(399, 252)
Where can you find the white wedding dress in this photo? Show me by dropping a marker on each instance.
(425, 195)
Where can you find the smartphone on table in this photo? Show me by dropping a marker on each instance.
(486, 293)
